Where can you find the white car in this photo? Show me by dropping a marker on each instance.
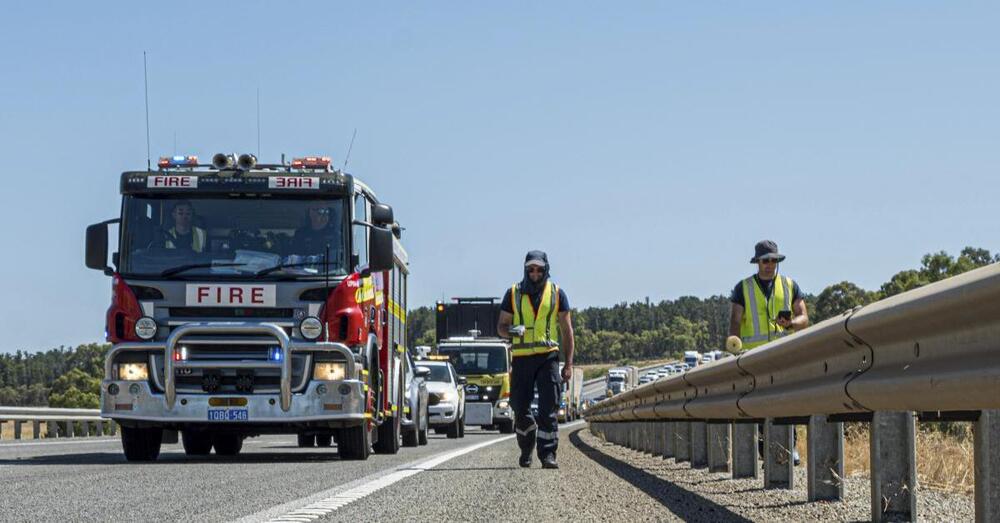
(445, 399)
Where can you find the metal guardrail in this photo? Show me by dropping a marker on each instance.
(63, 423)
(933, 353)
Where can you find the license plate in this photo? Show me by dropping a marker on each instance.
(228, 415)
(471, 397)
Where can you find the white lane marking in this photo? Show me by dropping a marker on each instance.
(343, 495)
(338, 497)
(48, 443)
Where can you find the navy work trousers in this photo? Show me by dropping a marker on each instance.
(541, 372)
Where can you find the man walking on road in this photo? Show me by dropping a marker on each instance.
(534, 315)
(766, 306)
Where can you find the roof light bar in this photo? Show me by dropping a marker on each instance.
(177, 161)
(311, 162)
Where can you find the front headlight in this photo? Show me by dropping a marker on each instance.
(446, 396)
(311, 328)
(145, 328)
(503, 404)
(133, 371)
(329, 371)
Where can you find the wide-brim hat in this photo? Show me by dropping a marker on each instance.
(766, 250)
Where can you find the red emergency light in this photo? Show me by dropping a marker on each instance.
(177, 161)
(311, 162)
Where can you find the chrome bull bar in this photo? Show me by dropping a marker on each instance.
(286, 345)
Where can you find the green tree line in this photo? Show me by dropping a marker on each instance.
(628, 331)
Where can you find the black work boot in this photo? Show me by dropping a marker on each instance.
(525, 459)
(549, 462)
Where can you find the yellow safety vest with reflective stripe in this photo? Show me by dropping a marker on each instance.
(541, 327)
(197, 239)
(760, 313)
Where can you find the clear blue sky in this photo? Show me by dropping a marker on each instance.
(646, 147)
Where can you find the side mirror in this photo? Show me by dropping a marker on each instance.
(382, 214)
(462, 380)
(380, 249)
(96, 256)
(421, 372)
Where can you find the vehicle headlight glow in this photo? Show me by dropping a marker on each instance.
(311, 328)
(329, 370)
(503, 404)
(145, 328)
(447, 396)
(133, 371)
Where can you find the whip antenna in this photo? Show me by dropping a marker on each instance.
(145, 82)
(258, 122)
(350, 147)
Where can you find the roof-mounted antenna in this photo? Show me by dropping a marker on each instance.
(350, 148)
(258, 122)
(145, 82)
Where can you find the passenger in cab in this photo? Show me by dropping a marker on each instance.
(183, 234)
(323, 229)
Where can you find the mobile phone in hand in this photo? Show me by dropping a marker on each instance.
(786, 314)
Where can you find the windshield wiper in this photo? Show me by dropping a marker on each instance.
(280, 266)
(181, 268)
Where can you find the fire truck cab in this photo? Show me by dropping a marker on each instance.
(252, 299)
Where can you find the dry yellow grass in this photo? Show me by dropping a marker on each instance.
(944, 461)
(27, 431)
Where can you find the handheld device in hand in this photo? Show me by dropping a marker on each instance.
(786, 314)
(516, 330)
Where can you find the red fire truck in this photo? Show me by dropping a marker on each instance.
(252, 299)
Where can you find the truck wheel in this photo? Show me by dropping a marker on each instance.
(324, 440)
(354, 443)
(141, 444)
(422, 436)
(306, 441)
(461, 427)
(506, 427)
(453, 429)
(389, 430)
(227, 444)
(196, 442)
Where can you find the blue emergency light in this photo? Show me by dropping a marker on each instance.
(275, 354)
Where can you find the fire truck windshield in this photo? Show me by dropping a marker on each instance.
(236, 237)
(470, 360)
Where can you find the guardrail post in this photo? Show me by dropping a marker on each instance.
(1, 429)
(893, 466)
(70, 432)
(100, 428)
(825, 463)
(647, 437)
(699, 444)
(744, 450)
(17, 429)
(987, 468)
(718, 447)
(668, 439)
(778, 464)
(682, 449)
(50, 429)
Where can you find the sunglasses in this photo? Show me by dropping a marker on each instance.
(769, 261)
(324, 210)
(533, 269)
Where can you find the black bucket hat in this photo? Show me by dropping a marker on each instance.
(766, 250)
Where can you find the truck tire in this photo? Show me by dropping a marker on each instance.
(306, 440)
(461, 426)
(324, 440)
(390, 429)
(410, 436)
(506, 427)
(454, 432)
(354, 443)
(227, 444)
(196, 442)
(141, 444)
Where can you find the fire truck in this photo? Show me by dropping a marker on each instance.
(251, 299)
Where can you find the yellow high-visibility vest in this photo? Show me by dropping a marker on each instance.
(760, 313)
(541, 327)
(198, 238)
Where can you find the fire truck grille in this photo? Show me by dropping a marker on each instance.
(231, 312)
